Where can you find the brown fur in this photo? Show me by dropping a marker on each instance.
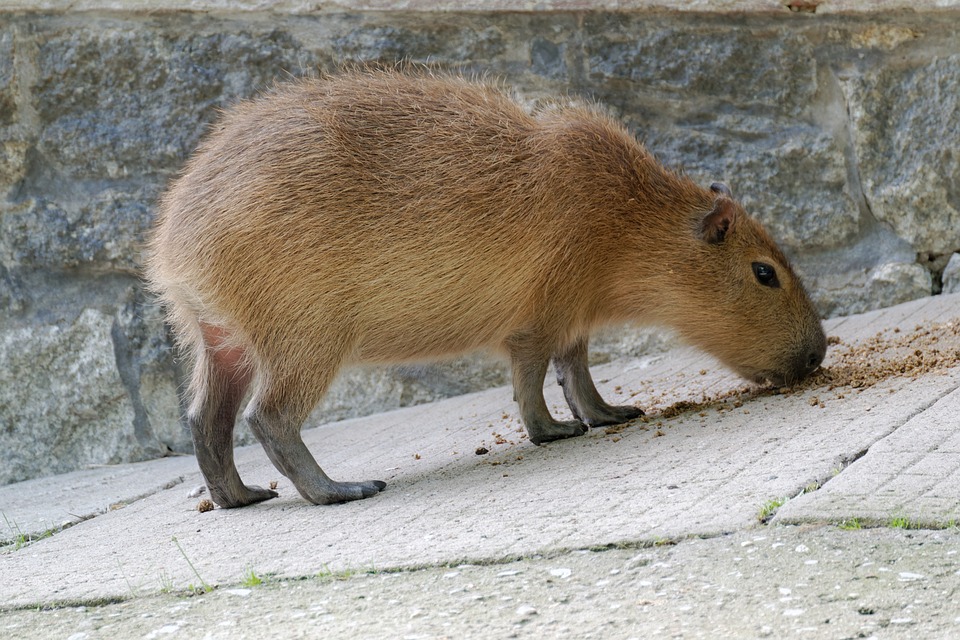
(380, 216)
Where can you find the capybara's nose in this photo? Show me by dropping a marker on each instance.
(814, 359)
(805, 363)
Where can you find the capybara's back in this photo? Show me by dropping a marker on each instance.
(380, 216)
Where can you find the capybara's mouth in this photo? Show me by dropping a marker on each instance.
(770, 378)
(779, 379)
(782, 377)
(763, 377)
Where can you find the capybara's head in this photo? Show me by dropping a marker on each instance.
(745, 305)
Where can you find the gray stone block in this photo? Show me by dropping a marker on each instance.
(793, 179)
(121, 99)
(885, 285)
(63, 402)
(13, 137)
(951, 275)
(8, 107)
(406, 38)
(104, 229)
(700, 69)
(906, 122)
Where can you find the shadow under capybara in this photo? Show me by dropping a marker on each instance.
(389, 216)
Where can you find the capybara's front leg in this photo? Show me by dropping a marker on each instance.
(217, 393)
(573, 374)
(529, 367)
(280, 436)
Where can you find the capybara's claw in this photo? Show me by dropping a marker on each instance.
(614, 415)
(338, 492)
(247, 495)
(557, 430)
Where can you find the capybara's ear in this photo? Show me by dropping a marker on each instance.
(722, 189)
(718, 222)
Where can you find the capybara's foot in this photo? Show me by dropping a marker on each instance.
(331, 492)
(240, 496)
(612, 414)
(543, 432)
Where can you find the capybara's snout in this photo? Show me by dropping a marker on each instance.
(803, 362)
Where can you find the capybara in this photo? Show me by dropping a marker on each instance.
(385, 216)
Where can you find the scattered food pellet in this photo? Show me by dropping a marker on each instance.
(482, 451)
(416, 456)
(204, 505)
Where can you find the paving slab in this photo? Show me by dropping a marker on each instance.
(37, 507)
(776, 582)
(703, 472)
(912, 474)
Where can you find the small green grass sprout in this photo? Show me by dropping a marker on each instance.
(768, 508)
(251, 579)
(851, 524)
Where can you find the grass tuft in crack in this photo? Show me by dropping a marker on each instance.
(251, 579)
(852, 524)
(768, 508)
(20, 539)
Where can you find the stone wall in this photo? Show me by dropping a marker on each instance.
(840, 131)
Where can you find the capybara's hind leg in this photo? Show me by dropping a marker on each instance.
(276, 417)
(213, 412)
(573, 374)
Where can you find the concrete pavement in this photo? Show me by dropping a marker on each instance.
(648, 530)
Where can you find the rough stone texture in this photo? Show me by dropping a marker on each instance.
(8, 108)
(907, 123)
(117, 109)
(951, 275)
(310, 6)
(838, 131)
(65, 392)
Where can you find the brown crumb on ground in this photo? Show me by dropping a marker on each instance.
(204, 505)
(892, 353)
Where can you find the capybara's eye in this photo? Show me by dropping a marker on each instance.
(766, 275)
